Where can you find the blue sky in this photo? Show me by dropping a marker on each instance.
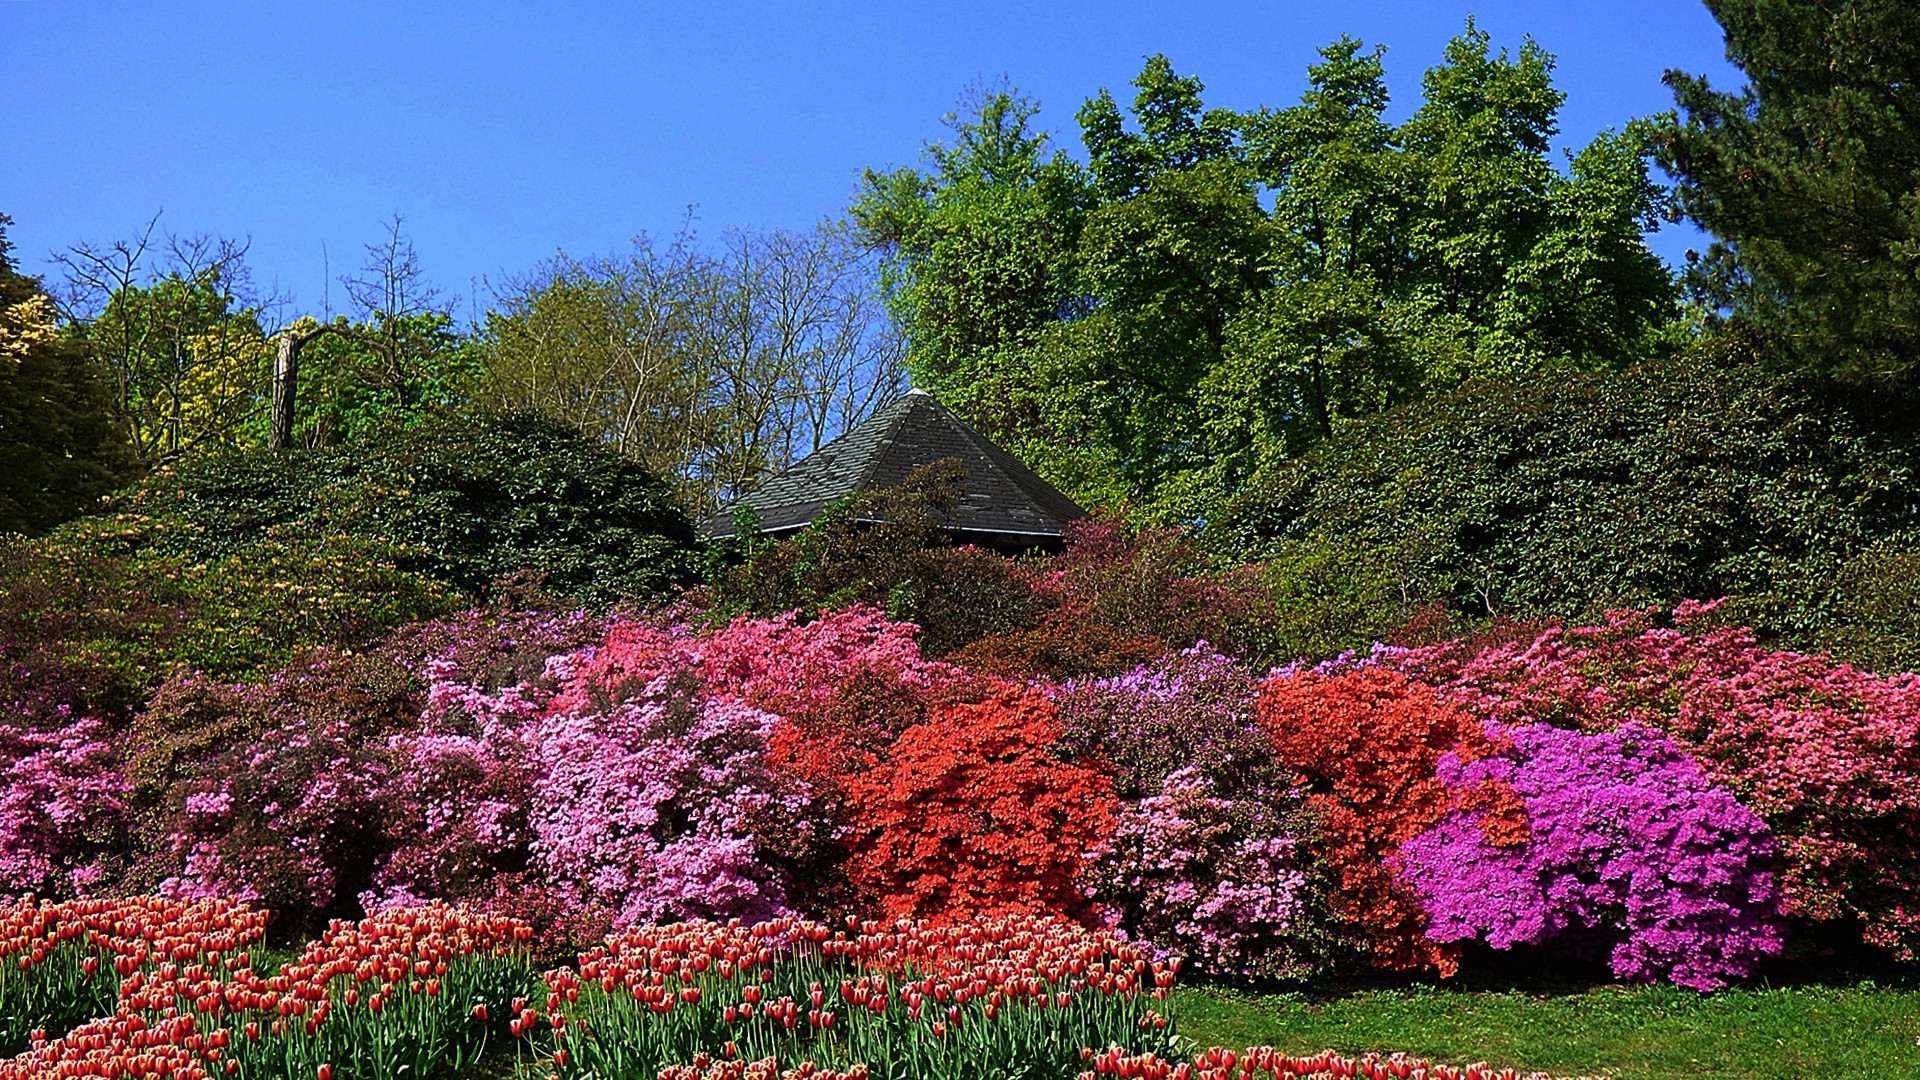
(505, 131)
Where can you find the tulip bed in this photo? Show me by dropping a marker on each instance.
(418, 992)
(401, 993)
(1020, 996)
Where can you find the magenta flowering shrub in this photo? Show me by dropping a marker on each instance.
(1627, 841)
(1225, 883)
(62, 796)
(1827, 753)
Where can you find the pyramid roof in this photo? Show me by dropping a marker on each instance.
(1001, 502)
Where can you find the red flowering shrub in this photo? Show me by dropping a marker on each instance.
(1369, 742)
(974, 811)
(1066, 642)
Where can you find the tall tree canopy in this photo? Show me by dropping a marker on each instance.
(1211, 289)
(60, 449)
(1809, 178)
(399, 360)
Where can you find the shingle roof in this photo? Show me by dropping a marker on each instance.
(1001, 499)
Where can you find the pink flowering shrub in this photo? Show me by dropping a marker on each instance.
(1225, 883)
(62, 796)
(639, 780)
(1627, 842)
(1826, 753)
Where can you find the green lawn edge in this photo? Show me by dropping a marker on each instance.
(1626, 1033)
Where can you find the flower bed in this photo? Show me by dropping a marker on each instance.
(1676, 800)
(1015, 996)
(417, 992)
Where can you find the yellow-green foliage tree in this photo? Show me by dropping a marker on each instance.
(179, 334)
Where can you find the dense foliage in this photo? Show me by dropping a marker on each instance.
(472, 500)
(1570, 494)
(1805, 177)
(60, 450)
(1411, 663)
(1212, 290)
(102, 610)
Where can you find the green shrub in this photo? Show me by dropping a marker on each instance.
(95, 614)
(467, 500)
(1879, 625)
(1571, 492)
(889, 549)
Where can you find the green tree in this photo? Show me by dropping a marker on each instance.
(1809, 178)
(1412, 259)
(1214, 290)
(398, 360)
(979, 258)
(60, 450)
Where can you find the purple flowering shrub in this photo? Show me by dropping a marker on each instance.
(62, 795)
(1627, 841)
(288, 808)
(1191, 709)
(1207, 858)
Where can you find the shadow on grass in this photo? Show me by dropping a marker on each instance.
(1829, 955)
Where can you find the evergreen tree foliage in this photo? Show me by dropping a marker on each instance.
(1809, 178)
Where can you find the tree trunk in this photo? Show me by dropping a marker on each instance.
(286, 365)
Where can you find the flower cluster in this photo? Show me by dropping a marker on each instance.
(1266, 1063)
(68, 962)
(975, 811)
(1662, 792)
(1824, 752)
(1627, 842)
(1192, 709)
(62, 794)
(1226, 883)
(1371, 741)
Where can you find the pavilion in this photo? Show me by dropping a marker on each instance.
(1002, 504)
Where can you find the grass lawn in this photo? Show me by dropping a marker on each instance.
(1628, 1033)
